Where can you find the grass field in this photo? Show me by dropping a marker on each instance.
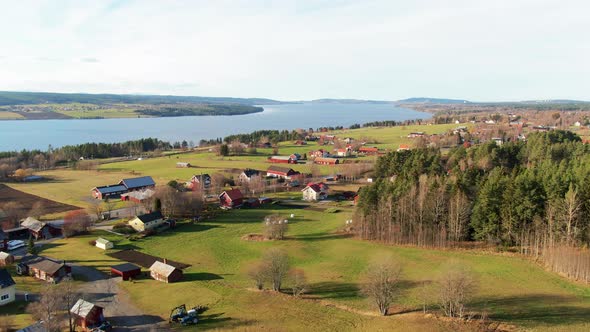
(5, 115)
(512, 290)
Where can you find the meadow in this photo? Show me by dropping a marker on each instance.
(511, 289)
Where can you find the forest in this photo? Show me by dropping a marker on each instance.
(531, 197)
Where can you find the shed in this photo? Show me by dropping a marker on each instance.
(163, 272)
(43, 268)
(104, 244)
(87, 315)
(231, 198)
(183, 165)
(126, 271)
(6, 258)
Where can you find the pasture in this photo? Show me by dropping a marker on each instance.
(511, 289)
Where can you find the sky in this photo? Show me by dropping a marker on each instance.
(479, 50)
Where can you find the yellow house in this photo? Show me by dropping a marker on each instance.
(147, 221)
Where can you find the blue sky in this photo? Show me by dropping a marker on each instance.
(292, 50)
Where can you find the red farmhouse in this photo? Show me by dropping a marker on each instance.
(231, 198)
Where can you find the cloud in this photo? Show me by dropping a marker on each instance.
(373, 49)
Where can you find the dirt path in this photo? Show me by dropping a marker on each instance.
(118, 308)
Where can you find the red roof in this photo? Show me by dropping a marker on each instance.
(368, 149)
(234, 194)
(317, 187)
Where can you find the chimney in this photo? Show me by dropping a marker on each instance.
(165, 261)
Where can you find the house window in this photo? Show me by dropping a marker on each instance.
(4, 297)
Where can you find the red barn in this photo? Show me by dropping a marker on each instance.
(281, 172)
(231, 198)
(326, 161)
(126, 271)
(87, 315)
(368, 150)
(292, 159)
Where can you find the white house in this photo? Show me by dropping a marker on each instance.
(147, 221)
(104, 244)
(7, 287)
(315, 192)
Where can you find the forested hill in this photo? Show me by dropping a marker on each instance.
(28, 98)
(533, 196)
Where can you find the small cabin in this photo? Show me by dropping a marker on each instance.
(6, 259)
(162, 271)
(104, 244)
(87, 315)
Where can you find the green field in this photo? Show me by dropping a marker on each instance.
(511, 289)
(4, 115)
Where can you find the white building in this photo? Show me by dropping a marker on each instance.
(7, 287)
(104, 244)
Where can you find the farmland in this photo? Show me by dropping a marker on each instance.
(511, 289)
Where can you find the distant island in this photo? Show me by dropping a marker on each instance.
(47, 105)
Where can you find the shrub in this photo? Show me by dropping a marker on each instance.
(92, 243)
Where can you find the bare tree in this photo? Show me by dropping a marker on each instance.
(48, 309)
(69, 295)
(6, 323)
(14, 212)
(258, 274)
(37, 210)
(298, 282)
(94, 207)
(276, 262)
(275, 227)
(381, 282)
(456, 288)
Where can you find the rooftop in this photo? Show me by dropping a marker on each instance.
(162, 268)
(6, 279)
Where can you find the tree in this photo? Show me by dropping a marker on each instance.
(456, 288)
(381, 282)
(157, 204)
(276, 262)
(76, 222)
(94, 207)
(275, 227)
(48, 308)
(298, 282)
(31, 249)
(224, 150)
(6, 323)
(20, 173)
(258, 274)
(69, 296)
(14, 212)
(37, 210)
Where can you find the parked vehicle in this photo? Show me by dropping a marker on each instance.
(15, 244)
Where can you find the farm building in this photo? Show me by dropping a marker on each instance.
(367, 150)
(183, 165)
(199, 181)
(343, 152)
(138, 196)
(87, 315)
(247, 175)
(39, 229)
(315, 192)
(6, 259)
(319, 153)
(104, 244)
(3, 216)
(326, 161)
(43, 268)
(163, 272)
(125, 185)
(126, 271)
(147, 221)
(281, 172)
(231, 198)
(292, 159)
(105, 192)
(7, 287)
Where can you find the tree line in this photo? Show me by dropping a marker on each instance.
(533, 196)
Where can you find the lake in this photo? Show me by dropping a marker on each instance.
(38, 134)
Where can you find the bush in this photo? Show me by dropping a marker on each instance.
(92, 243)
(332, 210)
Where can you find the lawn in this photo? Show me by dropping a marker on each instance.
(511, 289)
(16, 314)
(5, 115)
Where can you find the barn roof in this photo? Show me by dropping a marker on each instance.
(102, 241)
(41, 263)
(150, 216)
(279, 169)
(143, 181)
(126, 267)
(111, 189)
(162, 268)
(251, 172)
(6, 279)
(83, 308)
(32, 224)
(233, 194)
